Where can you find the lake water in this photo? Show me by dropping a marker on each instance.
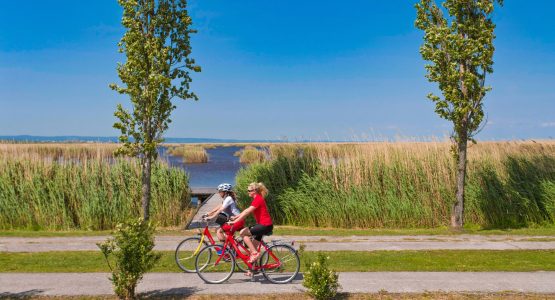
(222, 166)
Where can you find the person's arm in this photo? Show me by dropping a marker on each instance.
(210, 212)
(243, 214)
(225, 204)
(215, 211)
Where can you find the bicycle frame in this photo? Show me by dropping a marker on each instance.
(231, 243)
(203, 234)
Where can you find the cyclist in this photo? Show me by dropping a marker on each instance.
(229, 208)
(264, 224)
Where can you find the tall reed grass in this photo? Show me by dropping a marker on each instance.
(393, 185)
(83, 187)
(250, 154)
(57, 151)
(190, 153)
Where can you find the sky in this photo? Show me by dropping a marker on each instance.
(295, 70)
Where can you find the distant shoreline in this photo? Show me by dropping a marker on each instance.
(113, 139)
(173, 140)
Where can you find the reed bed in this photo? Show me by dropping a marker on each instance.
(191, 153)
(58, 151)
(251, 154)
(83, 188)
(406, 184)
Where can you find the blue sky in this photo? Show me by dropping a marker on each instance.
(271, 69)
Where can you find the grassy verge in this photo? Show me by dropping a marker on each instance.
(310, 231)
(341, 261)
(83, 233)
(306, 231)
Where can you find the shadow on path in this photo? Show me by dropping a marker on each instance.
(168, 293)
(21, 295)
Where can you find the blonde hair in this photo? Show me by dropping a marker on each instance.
(260, 188)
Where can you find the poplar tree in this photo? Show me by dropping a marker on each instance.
(458, 43)
(157, 70)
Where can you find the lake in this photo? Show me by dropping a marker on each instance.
(221, 167)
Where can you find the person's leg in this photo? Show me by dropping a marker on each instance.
(246, 234)
(255, 242)
(220, 234)
(256, 231)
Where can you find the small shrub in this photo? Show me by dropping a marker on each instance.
(321, 282)
(131, 248)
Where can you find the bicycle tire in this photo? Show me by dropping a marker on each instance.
(289, 263)
(208, 270)
(185, 253)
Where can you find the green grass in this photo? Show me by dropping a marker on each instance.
(45, 233)
(311, 231)
(341, 261)
(80, 233)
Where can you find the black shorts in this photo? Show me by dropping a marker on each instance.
(259, 230)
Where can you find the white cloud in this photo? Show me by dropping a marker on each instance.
(548, 124)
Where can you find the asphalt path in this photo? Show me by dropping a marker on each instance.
(312, 243)
(70, 284)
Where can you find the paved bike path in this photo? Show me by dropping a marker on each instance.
(67, 284)
(313, 243)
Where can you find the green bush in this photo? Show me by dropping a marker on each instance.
(278, 174)
(321, 282)
(130, 252)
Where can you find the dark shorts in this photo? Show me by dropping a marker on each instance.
(259, 230)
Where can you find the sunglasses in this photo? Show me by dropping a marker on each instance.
(250, 191)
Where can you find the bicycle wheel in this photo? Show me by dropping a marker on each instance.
(281, 263)
(186, 251)
(239, 263)
(211, 268)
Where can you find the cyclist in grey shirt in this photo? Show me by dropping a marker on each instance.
(229, 208)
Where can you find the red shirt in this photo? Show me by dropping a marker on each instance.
(261, 214)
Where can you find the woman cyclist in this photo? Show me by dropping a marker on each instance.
(229, 208)
(264, 224)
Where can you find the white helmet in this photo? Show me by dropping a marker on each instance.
(225, 187)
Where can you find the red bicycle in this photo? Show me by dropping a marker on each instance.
(187, 250)
(279, 263)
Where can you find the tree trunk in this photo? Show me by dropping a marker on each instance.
(458, 207)
(146, 187)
